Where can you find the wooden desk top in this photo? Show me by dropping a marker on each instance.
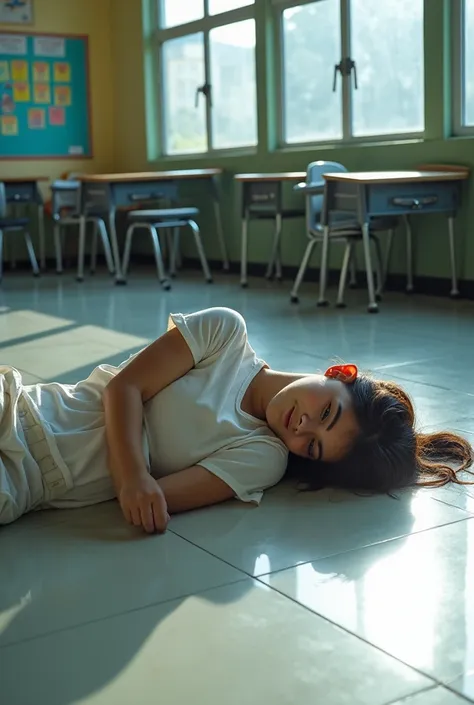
(392, 177)
(278, 176)
(150, 176)
(22, 179)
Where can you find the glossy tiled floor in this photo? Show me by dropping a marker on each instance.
(322, 598)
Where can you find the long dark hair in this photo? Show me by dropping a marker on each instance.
(389, 453)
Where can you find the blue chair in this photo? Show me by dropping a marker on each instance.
(343, 229)
(66, 194)
(14, 225)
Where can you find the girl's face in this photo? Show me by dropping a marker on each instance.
(314, 418)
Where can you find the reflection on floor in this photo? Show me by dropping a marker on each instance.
(311, 598)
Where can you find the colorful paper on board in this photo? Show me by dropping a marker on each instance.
(42, 93)
(21, 92)
(9, 125)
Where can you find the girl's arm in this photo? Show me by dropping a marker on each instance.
(161, 363)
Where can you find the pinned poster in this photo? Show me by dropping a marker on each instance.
(7, 104)
(19, 70)
(9, 125)
(49, 46)
(21, 92)
(4, 71)
(62, 72)
(57, 116)
(14, 44)
(41, 72)
(62, 95)
(42, 93)
(36, 118)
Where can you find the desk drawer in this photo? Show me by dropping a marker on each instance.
(429, 197)
(22, 193)
(136, 193)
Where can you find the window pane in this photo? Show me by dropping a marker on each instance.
(311, 48)
(183, 72)
(387, 46)
(175, 12)
(469, 63)
(218, 6)
(234, 92)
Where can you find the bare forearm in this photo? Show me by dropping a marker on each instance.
(124, 430)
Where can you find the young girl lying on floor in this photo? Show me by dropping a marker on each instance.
(197, 418)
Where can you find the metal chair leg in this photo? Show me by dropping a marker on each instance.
(452, 253)
(274, 262)
(346, 261)
(323, 272)
(302, 270)
(104, 236)
(388, 254)
(127, 249)
(378, 268)
(31, 254)
(94, 247)
(158, 257)
(81, 249)
(244, 251)
(372, 307)
(174, 250)
(202, 256)
(58, 248)
(409, 236)
(353, 267)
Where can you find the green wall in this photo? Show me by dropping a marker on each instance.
(134, 99)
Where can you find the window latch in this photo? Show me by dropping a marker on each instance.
(345, 67)
(206, 90)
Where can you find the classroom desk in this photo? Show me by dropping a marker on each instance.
(388, 193)
(25, 189)
(103, 194)
(262, 197)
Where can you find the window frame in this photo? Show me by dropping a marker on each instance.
(204, 25)
(345, 86)
(458, 14)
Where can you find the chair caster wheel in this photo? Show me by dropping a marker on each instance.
(341, 304)
(294, 299)
(372, 308)
(322, 304)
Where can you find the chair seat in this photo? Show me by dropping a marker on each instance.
(163, 214)
(6, 223)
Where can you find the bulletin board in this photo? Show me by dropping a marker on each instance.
(44, 96)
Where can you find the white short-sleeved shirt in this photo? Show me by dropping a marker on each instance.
(196, 420)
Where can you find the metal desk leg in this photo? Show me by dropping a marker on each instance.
(82, 248)
(323, 272)
(244, 250)
(372, 307)
(388, 253)
(42, 244)
(275, 262)
(119, 279)
(409, 287)
(452, 252)
(220, 231)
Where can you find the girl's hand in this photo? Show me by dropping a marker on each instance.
(143, 503)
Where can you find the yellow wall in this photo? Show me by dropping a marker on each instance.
(91, 17)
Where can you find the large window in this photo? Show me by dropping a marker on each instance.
(351, 69)
(463, 66)
(208, 94)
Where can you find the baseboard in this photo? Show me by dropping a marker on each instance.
(431, 286)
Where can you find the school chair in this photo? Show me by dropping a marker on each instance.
(165, 219)
(344, 230)
(65, 211)
(14, 225)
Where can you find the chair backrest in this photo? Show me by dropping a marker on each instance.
(3, 200)
(66, 199)
(315, 173)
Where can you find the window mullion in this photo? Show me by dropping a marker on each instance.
(208, 97)
(346, 79)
